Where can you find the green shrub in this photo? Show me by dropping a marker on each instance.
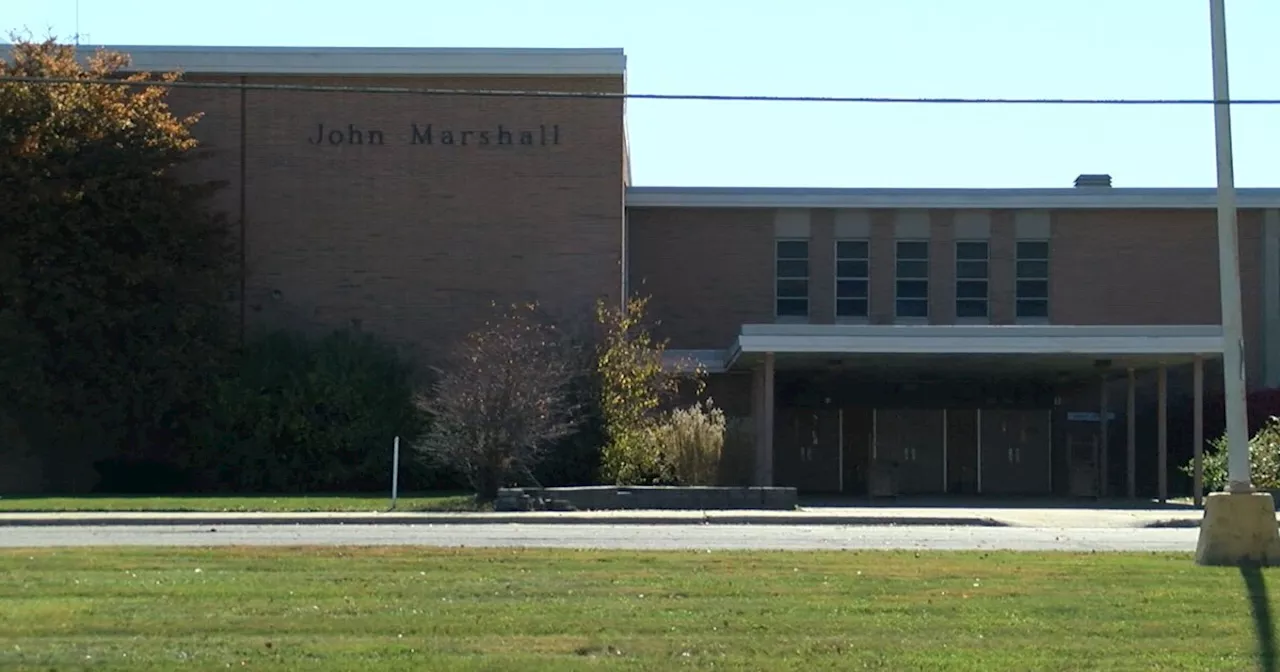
(692, 440)
(634, 385)
(305, 415)
(1264, 459)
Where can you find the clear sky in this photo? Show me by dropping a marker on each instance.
(993, 48)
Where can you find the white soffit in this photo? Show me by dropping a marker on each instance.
(370, 61)
(981, 340)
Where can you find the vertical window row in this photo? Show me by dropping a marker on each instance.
(791, 284)
(852, 278)
(1031, 293)
(972, 279)
(911, 279)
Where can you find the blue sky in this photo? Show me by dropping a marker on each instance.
(995, 48)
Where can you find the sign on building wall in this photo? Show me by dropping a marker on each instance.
(501, 135)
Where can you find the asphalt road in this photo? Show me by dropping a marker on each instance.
(637, 537)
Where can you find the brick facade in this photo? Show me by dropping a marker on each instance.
(377, 229)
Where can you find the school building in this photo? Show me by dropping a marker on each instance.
(883, 341)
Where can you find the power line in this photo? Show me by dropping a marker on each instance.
(611, 95)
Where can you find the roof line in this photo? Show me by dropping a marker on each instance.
(371, 60)
(1083, 198)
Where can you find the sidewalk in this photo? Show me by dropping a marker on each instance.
(1025, 517)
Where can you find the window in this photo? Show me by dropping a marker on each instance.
(911, 297)
(791, 273)
(852, 257)
(972, 261)
(1032, 290)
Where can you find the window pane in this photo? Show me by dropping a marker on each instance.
(971, 269)
(913, 269)
(913, 249)
(912, 308)
(851, 289)
(971, 250)
(1033, 269)
(793, 307)
(793, 269)
(1033, 250)
(851, 269)
(793, 289)
(793, 249)
(851, 308)
(1033, 289)
(913, 289)
(1033, 308)
(851, 249)
(972, 289)
(971, 308)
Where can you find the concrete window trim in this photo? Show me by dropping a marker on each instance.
(972, 225)
(911, 277)
(791, 279)
(972, 280)
(851, 281)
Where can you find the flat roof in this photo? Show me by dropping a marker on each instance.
(372, 61)
(995, 199)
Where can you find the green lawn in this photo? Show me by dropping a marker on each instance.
(266, 503)
(414, 608)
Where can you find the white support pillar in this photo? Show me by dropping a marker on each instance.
(1162, 433)
(1197, 431)
(1104, 442)
(1131, 443)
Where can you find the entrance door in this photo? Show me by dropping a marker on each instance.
(856, 438)
(1016, 452)
(909, 442)
(807, 449)
(962, 451)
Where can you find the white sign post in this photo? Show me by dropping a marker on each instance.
(395, 472)
(1239, 526)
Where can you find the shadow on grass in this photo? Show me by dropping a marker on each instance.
(1256, 587)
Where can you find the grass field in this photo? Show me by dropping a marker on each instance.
(268, 503)
(413, 608)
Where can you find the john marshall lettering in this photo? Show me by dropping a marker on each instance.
(543, 135)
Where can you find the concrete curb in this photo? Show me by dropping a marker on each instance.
(531, 518)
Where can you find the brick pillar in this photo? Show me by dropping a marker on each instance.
(1003, 249)
(822, 267)
(882, 261)
(942, 267)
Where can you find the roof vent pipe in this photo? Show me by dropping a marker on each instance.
(1093, 181)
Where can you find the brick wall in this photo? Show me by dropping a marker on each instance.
(412, 240)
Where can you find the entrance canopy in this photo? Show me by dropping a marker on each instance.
(1026, 349)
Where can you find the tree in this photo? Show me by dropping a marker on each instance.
(635, 385)
(114, 271)
(502, 400)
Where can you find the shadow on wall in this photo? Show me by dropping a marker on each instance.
(738, 458)
(22, 471)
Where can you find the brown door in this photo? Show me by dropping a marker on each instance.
(807, 450)
(962, 451)
(856, 441)
(909, 442)
(1016, 452)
